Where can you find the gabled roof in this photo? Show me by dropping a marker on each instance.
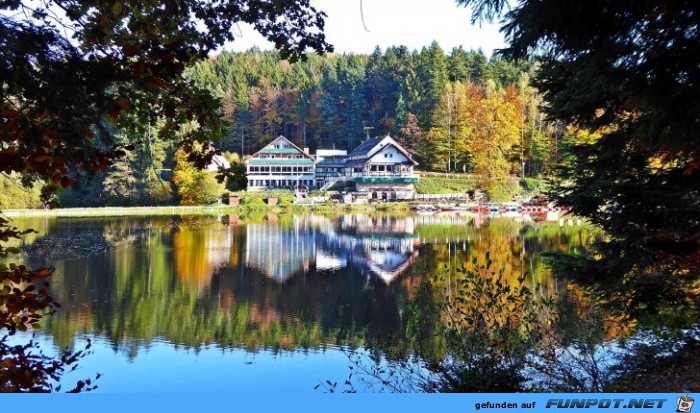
(270, 149)
(372, 146)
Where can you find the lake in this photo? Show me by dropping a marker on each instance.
(264, 303)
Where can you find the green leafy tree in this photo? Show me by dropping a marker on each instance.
(120, 183)
(458, 65)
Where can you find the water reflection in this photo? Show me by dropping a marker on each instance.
(379, 247)
(277, 283)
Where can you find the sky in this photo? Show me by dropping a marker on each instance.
(414, 23)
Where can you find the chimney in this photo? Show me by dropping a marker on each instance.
(306, 150)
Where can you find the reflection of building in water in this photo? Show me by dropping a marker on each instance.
(280, 251)
(383, 247)
(364, 225)
(386, 258)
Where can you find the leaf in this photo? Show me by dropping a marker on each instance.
(124, 104)
(43, 273)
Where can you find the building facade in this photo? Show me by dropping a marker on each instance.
(381, 169)
(330, 166)
(377, 169)
(280, 165)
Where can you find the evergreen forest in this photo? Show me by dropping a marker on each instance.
(456, 112)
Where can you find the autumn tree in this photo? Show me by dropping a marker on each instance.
(629, 74)
(68, 65)
(195, 186)
(120, 56)
(495, 137)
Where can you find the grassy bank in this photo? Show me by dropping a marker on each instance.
(455, 183)
(198, 210)
(117, 211)
(439, 183)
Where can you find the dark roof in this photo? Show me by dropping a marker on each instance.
(362, 152)
(366, 146)
(355, 162)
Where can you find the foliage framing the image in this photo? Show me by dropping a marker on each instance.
(628, 74)
(24, 300)
(66, 65)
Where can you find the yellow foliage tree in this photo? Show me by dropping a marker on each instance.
(495, 137)
(195, 186)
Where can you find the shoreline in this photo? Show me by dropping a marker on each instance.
(195, 210)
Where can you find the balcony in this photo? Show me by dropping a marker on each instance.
(404, 177)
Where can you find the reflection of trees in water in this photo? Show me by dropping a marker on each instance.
(187, 281)
(198, 253)
(24, 301)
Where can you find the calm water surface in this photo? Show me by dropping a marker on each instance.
(266, 304)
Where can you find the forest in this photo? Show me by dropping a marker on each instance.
(607, 100)
(455, 111)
